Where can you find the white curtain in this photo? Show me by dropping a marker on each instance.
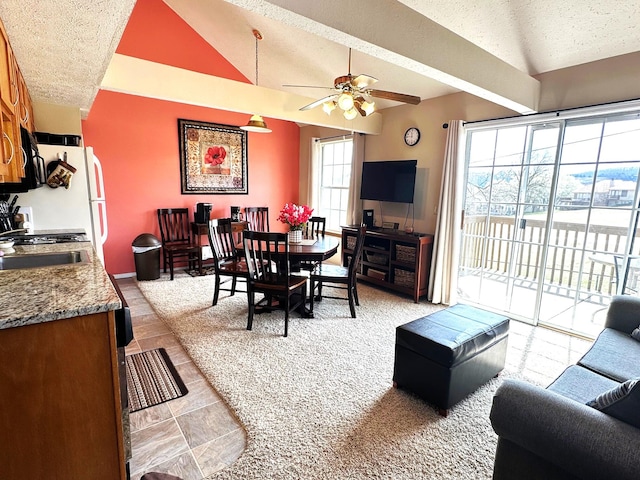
(443, 281)
(313, 195)
(354, 205)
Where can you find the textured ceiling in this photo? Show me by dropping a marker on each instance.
(64, 46)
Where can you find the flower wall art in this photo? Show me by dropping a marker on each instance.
(213, 158)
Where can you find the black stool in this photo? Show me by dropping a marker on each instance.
(447, 355)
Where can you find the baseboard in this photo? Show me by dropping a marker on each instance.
(124, 275)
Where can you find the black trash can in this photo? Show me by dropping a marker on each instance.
(146, 253)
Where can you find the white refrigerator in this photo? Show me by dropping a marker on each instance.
(81, 206)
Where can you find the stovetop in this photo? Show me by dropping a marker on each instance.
(47, 238)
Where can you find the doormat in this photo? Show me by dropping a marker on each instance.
(152, 379)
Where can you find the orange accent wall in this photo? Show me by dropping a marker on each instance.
(136, 139)
(156, 33)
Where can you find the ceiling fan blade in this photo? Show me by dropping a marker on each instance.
(398, 97)
(319, 102)
(363, 81)
(308, 86)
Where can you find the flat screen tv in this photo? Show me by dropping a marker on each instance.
(389, 181)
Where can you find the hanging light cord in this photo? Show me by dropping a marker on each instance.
(258, 36)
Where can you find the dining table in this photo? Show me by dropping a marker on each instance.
(310, 250)
(313, 250)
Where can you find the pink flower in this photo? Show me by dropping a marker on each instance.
(215, 155)
(296, 216)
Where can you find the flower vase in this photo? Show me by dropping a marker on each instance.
(295, 236)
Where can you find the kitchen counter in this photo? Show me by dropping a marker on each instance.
(37, 295)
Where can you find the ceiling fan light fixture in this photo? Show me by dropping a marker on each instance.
(345, 101)
(350, 114)
(329, 107)
(256, 124)
(368, 107)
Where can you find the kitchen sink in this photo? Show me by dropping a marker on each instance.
(38, 260)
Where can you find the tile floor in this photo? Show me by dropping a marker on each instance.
(192, 436)
(197, 435)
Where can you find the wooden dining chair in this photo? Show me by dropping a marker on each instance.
(267, 257)
(314, 229)
(175, 234)
(226, 261)
(258, 218)
(335, 276)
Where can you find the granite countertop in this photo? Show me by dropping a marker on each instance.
(36, 295)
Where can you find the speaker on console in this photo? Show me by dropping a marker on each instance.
(367, 218)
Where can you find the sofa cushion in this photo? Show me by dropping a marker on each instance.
(614, 354)
(636, 334)
(581, 384)
(621, 402)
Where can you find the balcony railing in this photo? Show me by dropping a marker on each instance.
(489, 244)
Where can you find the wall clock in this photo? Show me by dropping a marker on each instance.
(412, 136)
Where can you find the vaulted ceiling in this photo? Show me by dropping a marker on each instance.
(491, 49)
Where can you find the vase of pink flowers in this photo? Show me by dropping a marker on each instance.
(296, 216)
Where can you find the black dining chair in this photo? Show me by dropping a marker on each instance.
(175, 234)
(314, 229)
(267, 257)
(258, 218)
(226, 261)
(335, 276)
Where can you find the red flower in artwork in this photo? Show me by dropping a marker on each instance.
(215, 155)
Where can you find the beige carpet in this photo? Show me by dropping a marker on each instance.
(320, 403)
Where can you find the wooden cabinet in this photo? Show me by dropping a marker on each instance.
(392, 259)
(12, 160)
(60, 409)
(16, 109)
(25, 109)
(8, 72)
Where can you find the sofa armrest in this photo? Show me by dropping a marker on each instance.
(623, 313)
(579, 439)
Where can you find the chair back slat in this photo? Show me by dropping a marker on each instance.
(315, 227)
(174, 225)
(258, 218)
(221, 240)
(357, 252)
(267, 257)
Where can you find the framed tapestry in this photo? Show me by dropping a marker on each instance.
(213, 158)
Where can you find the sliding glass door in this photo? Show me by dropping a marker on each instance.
(509, 180)
(550, 217)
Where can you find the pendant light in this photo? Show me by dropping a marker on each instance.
(256, 122)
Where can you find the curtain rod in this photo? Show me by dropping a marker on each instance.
(557, 113)
(344, 137)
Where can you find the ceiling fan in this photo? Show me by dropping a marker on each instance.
(352, 93)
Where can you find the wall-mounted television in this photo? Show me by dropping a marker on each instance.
(389, 181)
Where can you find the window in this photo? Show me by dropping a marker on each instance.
(550, 205)
(332, 179)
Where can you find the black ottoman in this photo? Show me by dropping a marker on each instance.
(447, 355)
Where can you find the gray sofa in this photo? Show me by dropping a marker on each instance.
(552, 434)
